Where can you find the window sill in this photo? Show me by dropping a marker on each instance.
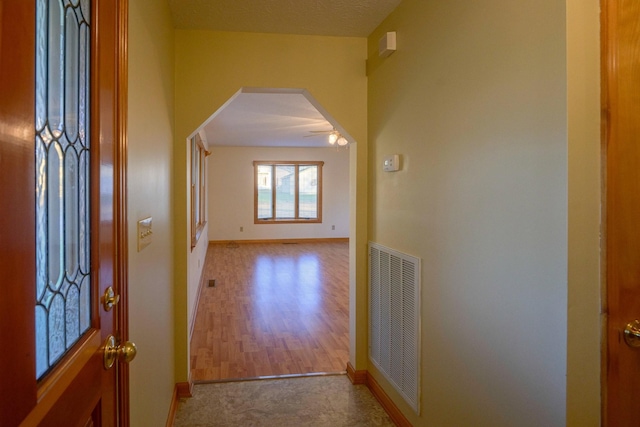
(287, 221)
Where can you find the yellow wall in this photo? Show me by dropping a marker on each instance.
(211, 66)
(477, 102)
(151, 81)
(583, 331)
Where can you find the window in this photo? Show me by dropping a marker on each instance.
(287, 192)
(198, 221)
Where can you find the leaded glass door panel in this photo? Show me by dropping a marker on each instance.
(63, 179)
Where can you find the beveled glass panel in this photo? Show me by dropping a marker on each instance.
(56, 329)
(63, 276)
(85, 303)
(72, 315)
(55, 67)
(85, 9)
(83, 212)
(42, 362)
(55, 213)
(83, 84)
(71, 214)
(41, 218)
(72, 75)
(41, 65)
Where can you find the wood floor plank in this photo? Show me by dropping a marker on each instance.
(276, 309)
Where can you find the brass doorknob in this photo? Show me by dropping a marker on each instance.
(124, 352)
(109, 299)
(632, 334)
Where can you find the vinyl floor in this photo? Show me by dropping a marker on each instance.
(317, 401)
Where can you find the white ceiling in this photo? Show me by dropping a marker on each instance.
(346, 18)
(271, 118)
(265, 118)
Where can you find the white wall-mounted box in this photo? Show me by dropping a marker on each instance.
(387, 44)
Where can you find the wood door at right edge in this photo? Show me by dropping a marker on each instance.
(621, 108)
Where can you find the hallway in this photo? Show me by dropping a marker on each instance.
(276, 309)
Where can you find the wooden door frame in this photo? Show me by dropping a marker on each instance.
(120, 202)
(606, 71)
(604, 100)
(120, 223)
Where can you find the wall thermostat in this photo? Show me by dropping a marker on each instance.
(391, 163)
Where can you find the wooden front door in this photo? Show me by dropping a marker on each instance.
(621, 107)
(52, 385)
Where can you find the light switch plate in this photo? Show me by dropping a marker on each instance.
(391, 163)
(145, 233)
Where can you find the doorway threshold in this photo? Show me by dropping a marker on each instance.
(271, 377)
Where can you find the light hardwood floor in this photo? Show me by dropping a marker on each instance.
(277, 309)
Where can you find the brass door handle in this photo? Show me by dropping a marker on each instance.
(124, 352)
(632, 334)
(109, 299)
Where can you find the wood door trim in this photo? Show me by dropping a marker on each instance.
(180, 391)
(184, 390)
(356, 377)
(386, 402)
(120, 202)
(605, 71)
(173, 407)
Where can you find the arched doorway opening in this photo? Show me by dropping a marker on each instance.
(285, 126)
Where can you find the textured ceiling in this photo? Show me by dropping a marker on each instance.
(346, 18)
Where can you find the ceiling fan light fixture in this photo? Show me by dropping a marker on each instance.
(333, 137)
(342, 141)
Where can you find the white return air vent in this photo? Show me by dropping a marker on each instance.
(394, 319)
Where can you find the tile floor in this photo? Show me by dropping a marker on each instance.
(329, 400)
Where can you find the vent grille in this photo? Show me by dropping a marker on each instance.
(394, 319)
